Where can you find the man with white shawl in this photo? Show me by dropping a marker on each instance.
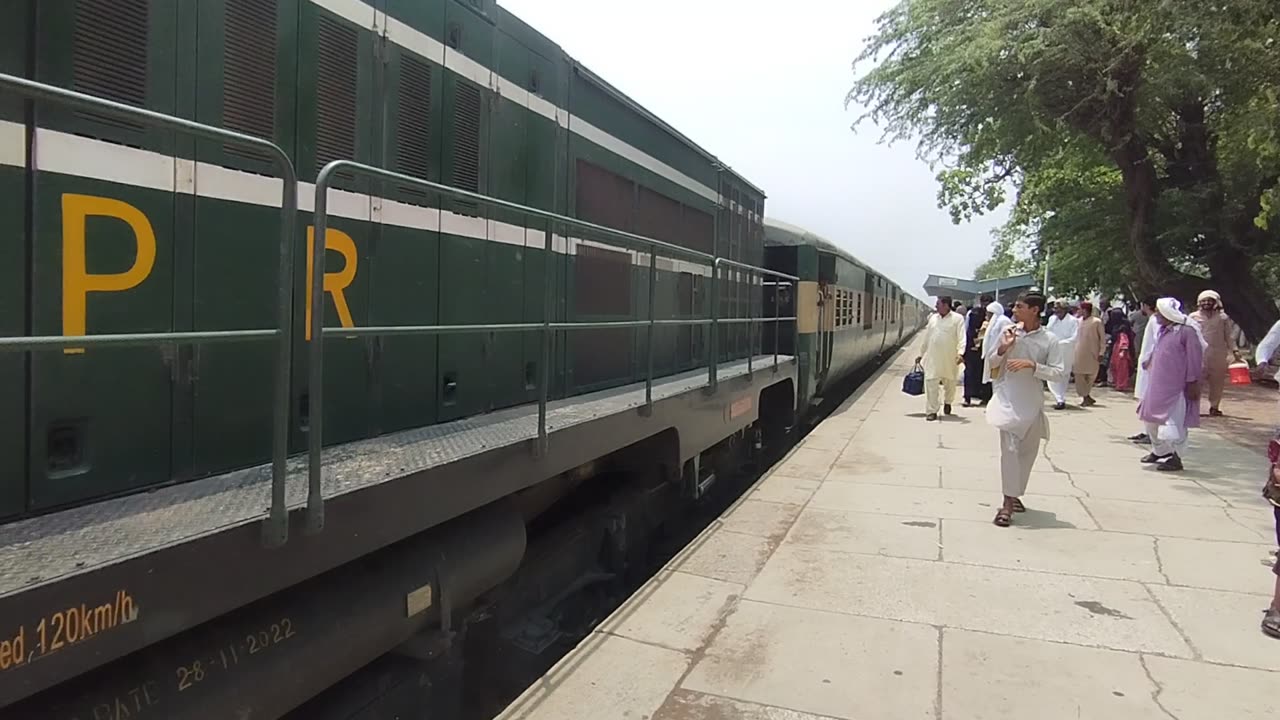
(1026, 355)
(1170, 403)
(1064, 325)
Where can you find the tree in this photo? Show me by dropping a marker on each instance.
(1140, 133)
(1010, 255)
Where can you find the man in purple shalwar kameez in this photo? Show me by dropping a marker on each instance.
(1171, 403)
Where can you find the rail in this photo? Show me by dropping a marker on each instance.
(547, 328)
(276, 528)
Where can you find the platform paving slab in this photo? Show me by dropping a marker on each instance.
(994, 677)
(1222, 626)
(832, 664)
(862, 578)
(1067, 608)
(928, 476)
(1143, 486)
(1217, 565)
(604, 678)
(729, 556)
(1057, 550)
(675, 610)
(1049, 510)
(784, 489)
(689, 705)
(1164, 520)
(1041, 483)
(836, 442)
(1200, 691)
(866, 533)
(758, 517)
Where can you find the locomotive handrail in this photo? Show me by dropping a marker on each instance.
(713, 369)
(315, 349)
(276, 527)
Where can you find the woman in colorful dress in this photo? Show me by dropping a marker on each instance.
(1122, 355)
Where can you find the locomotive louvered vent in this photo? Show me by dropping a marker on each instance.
(249, 71)
(335, 92)
(466, 138)
(109, 53)
(413, 121)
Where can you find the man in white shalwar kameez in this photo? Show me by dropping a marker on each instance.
(1064, 325)
(941, 357)
(1148, 346)
(1027, 355)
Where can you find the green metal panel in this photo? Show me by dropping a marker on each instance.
(234, 248)
(512, 376)
(405, 266)
(599, 107)
(13, 276)
(464, 360)
(101, 420)
(546, 182)
(348, 363)
(425, 16)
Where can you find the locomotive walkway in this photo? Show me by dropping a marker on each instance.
(863, 578)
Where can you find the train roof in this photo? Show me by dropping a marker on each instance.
(779, 233)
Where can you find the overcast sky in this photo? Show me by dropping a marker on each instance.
(761, 84)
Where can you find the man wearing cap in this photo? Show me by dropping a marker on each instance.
(941, 357)
(1218, 331)
(1090, 343)
(1170, 402)
(1063, 325)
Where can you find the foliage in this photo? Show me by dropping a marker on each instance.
(1142, 137)
(1010, 255)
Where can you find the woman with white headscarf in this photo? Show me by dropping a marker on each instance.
(1170, 402)
(996, 324)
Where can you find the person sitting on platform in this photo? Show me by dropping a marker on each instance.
(1027, 355)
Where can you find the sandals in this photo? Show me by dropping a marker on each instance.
(1003, 518)
(1271, 622)
(1018, 507)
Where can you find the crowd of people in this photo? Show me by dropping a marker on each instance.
(1168, 358)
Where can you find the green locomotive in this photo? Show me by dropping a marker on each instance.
(628, 339)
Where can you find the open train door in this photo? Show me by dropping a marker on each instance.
(825, 345)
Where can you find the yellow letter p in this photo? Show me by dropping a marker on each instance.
(77, 281)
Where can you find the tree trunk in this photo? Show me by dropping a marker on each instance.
(1156, 274)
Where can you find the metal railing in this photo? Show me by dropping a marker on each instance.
(276, 528)
(547, 328)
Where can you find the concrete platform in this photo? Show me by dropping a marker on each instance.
(862, 578)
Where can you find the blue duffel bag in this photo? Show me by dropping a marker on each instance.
(913, 383)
